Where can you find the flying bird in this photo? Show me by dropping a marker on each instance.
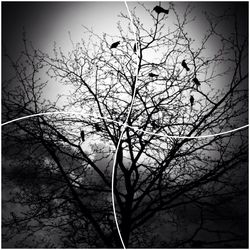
(191, 101)
(197, 82)
(159, 9)
(184, 65)
(83, 136)
(152, 75)
(114, 45)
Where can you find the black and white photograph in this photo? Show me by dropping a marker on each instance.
(125, 124)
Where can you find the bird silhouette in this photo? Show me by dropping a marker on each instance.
(83, 136)
(197, 82)
(184, 65)
(114, 45)
(191, 101)
(152, 75)
(159, 9)
(119, 74)
(135, 47)
(97, 127)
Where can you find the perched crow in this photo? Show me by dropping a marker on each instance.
(97, 127)
(159, 9)
(152, 75)
(184, 65)
(83, 136)
(135, 47)
(197, 82)
(114, 45)
(191, 101)
(119, 75)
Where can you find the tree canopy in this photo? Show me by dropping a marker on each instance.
(172, 187)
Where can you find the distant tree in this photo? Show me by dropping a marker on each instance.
(169, 192)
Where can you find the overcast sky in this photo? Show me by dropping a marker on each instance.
(49, 22)
(46, 22)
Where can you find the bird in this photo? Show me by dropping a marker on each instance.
(119, 74)
(135, 48)
(159, 9)
(114, 45)
(83, 136)
(184, 65)
(191, 101)
(97, 127)
(197, 82)
(152, 75)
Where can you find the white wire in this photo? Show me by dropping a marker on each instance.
(58, 112)
(122, 132)
(134, 128)
(112, 186)
(191, 137)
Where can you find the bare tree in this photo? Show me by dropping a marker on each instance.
(169, 191)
